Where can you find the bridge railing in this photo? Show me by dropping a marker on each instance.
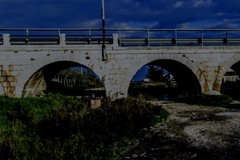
(122, 37)
(52, 36)
(179, 37)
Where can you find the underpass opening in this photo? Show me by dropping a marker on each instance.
(67, 78)
(164, 80)
(231, 82)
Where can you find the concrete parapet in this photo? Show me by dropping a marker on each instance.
(62, 39)
(115, 40)
(6, 39)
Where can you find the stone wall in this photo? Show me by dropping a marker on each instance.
(8, 80)
(18, 64)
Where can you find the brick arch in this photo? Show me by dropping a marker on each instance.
(195, 68)
(224, 68)
(228, 64)
(34, 67)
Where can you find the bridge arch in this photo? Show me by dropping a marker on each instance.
(33, 74)
(231, 63)
(178, 65)
(186, 80)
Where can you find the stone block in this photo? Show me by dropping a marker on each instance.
(12, 84)
(95, 103)
(11, 78)
(10, 67)
(5, 84)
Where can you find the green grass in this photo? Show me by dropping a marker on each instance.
(207, 100)
(61, 127)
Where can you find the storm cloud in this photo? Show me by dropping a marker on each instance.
(124, 13)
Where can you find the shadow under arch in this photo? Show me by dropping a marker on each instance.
(231, 82)
(42, 80)
(186, 81)
(236, 68)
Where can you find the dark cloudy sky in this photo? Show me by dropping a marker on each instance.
(120, 13)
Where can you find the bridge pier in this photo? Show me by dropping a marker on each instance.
(212, 92)
(115, 83)
(7, 81)
(114, 93)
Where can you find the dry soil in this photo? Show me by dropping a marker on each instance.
(192, 132)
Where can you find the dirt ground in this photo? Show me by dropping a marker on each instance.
(192, 132)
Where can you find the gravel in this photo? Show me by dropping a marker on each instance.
(192, 132)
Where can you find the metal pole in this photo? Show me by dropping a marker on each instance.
(227, 37)
(176, 36)
(103, 32)
(148, 40)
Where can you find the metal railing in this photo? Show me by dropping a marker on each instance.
(125, 37)
(52, 36)
(179, 37)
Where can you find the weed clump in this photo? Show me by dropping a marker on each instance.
(62, 127)
(207, 100)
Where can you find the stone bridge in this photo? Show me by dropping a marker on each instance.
(29, 62)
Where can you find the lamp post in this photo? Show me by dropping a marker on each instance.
(103, 32)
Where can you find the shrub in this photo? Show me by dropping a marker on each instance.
(62, 127)
(212, 100)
